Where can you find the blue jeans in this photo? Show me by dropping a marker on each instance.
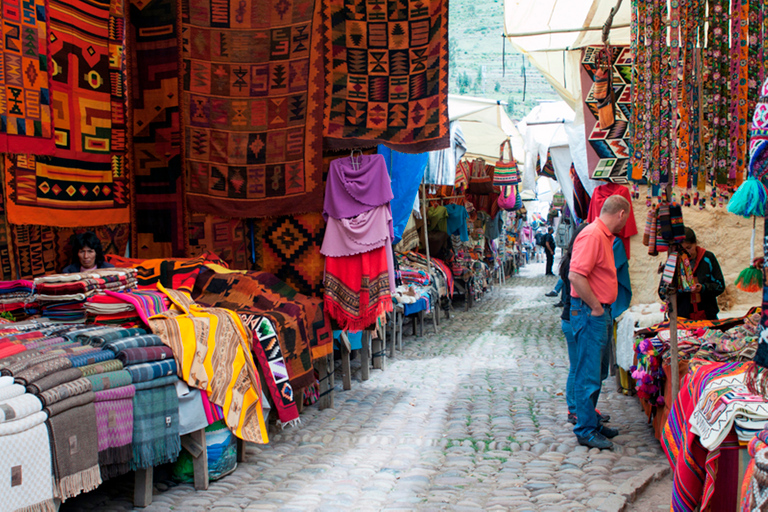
(559, 285)
(591, 335)
(572, 357)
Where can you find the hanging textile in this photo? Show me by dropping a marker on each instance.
(86, 177)
(252, 123)
(548, 170)
(26, 99)
(289, 247)
(406, 172)
(155, 134)
(442, 163)
(223, 236)
(386, 74)
(611, 144)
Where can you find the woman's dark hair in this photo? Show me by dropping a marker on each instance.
(89, 240)
(690, 236)
(565, 262)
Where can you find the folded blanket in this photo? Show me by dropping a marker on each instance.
(146, 340)
(18, 366)
(66, 390)
(131, 356)
(19, 407)
(149, 371)
(69, 403)
(110, 380)
(54, 380)
(102, 338)
(92, 358)
(25, 452)
(41, 370)
(155, 423)
(6, 381)
(114, 419)
(74, 446)
(112, 365)
(146, 303)
(8, 392)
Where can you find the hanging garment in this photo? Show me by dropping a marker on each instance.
(441, 169)
(356, 185)
(599, 196)
(457, 221)
(406, 171)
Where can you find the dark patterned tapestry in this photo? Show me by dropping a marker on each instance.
(612, 145)
(85, 179)
(25, 101)
(7, 267)
(386, 74)
(289, 247)
(158, 184)
(227, 238)
(252, 133)
(41, 250)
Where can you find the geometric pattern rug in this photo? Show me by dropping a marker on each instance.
(252, 133)
(611, 145)
(289, 247)
(158, 180)
(223, 236)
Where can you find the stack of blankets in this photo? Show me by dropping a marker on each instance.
(62, 296)
(81, 405)
(125, 308)
(16, 297)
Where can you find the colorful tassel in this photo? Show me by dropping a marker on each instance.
(749, 199)
(750, 280)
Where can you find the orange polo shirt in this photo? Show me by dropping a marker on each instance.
(593, 258)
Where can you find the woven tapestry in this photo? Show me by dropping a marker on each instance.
(86, 178)
(253, 136)
(25, 102)
(158, 186)
(289, 247)
(7, 267)
(612, 145)
(224, 237)
(41, 250)
(386, 74)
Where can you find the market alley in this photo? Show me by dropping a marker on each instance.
(472, 418)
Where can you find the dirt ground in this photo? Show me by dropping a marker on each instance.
(655, 497)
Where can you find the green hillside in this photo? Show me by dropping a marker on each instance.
(475, 29)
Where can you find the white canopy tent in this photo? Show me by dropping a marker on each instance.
(485, 125)
(551, 33)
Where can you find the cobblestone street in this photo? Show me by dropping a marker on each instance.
(472, 418)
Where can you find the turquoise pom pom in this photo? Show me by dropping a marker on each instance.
(749, 200)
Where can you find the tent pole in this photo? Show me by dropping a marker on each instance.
(424, 216)
(674, 359)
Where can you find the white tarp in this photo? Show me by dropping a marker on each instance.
(556, 52)
(485, 125)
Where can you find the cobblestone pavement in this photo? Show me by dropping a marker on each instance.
(472, 418)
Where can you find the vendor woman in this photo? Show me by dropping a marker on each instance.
(701, 302)
(87, 254)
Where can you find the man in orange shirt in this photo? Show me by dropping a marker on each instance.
(594, 288)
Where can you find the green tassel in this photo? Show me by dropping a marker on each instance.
(750, 280)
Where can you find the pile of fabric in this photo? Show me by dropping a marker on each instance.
(62, 297)
(17, 298)
(126, 308)
(698, 438)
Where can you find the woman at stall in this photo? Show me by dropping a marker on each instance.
(701, 302)
(87, 254)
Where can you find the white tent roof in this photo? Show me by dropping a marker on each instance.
(485, 125)
(560, 26)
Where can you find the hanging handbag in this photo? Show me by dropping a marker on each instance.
(462, 176)
(558, 201)
(506, 172)
(548, 171)
(508, 197)
(480, 181)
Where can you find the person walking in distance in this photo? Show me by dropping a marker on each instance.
(548, 241)
(594, 288)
